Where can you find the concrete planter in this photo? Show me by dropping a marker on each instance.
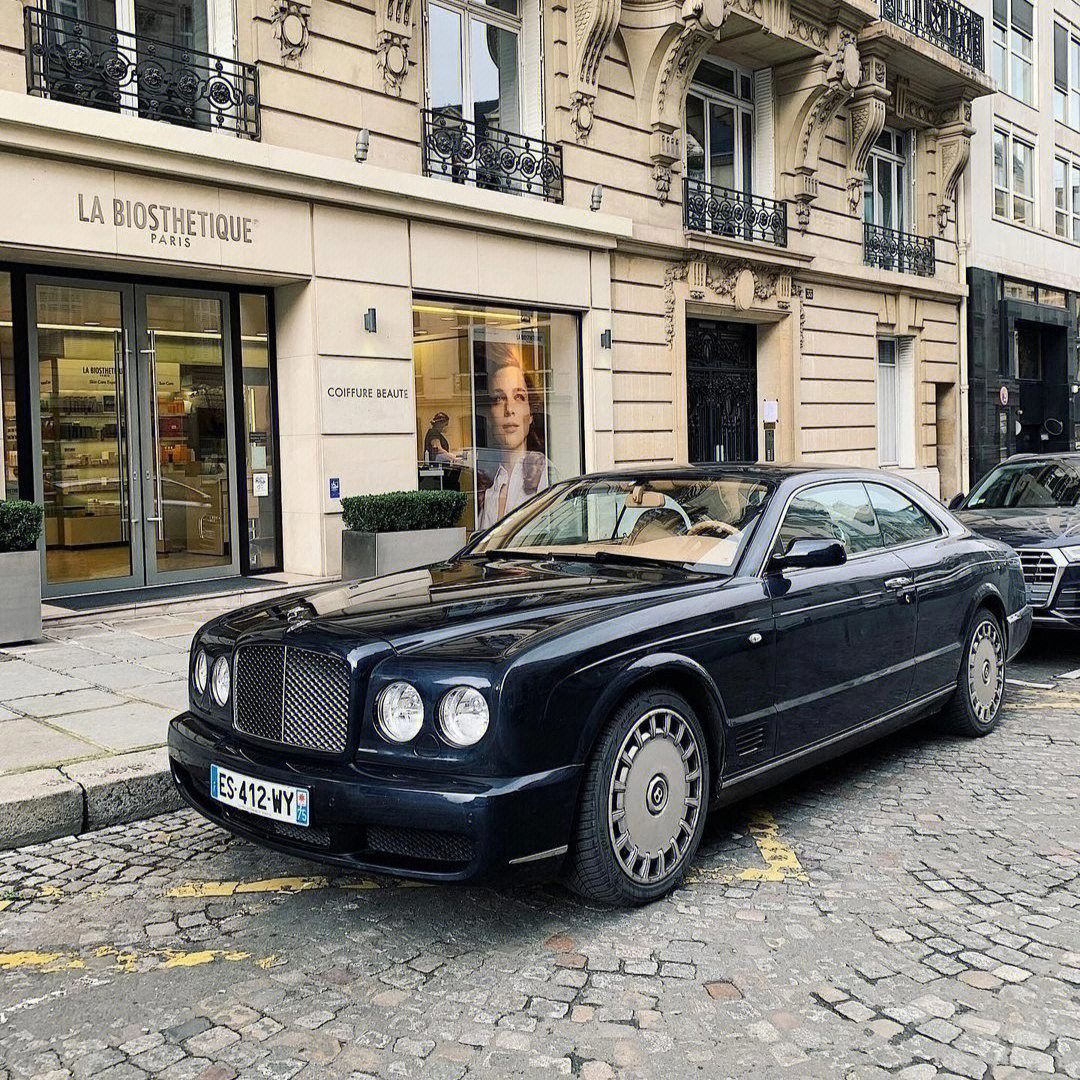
(368, 555)
(20, 596)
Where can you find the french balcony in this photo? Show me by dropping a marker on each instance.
(905, 253)
(488, 157)
(948, 24)
(69, 59)
(720, 211)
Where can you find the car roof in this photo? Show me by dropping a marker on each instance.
(1071, 456)
(751, 470)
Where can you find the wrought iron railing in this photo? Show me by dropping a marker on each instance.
(950, 25)
(890, 249)
(490, 158)
(71, 60)
(721, 211)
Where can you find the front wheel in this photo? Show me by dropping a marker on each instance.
(975, 707)
(643, 802)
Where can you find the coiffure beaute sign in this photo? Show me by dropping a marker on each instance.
(168, 225)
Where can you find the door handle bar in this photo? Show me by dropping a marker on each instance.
(898, 583)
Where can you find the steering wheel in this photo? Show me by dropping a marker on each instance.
(712, 525)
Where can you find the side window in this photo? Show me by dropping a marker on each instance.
(901, 521)
(833, 512)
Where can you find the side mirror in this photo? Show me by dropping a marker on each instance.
(957, 501)
(809, 552)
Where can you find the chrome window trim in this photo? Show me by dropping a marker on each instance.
(946, 528)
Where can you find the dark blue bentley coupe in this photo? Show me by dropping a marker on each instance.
(584, 681)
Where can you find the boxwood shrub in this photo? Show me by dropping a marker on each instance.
(20, 525)
(402, 511)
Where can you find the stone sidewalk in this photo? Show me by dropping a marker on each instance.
(84, 715)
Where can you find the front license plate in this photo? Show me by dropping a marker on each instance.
(277, 801)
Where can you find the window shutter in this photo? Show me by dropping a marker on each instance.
(908, 419)
(531, 68)
(763, 133)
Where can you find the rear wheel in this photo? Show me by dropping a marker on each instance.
(643, 802)
(975, 707)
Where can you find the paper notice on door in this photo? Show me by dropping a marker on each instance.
(260, 484)
(258, 454)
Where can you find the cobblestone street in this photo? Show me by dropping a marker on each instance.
(911, 910)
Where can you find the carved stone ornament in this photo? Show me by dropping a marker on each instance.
(954, 149)
(682, 48)
(733, 282)
(592, 26)
(833, 84)
(290, 20)
(866, 118)
(393, 39)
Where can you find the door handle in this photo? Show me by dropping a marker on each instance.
(904, 587)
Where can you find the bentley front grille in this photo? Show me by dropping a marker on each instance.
(1040, 571)
(292, 696)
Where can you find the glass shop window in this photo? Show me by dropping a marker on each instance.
(9, 473)
(498, 403)
(259, 433)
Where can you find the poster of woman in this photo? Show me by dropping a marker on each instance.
(511, 459)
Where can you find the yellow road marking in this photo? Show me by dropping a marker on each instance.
(781, 862)
(125, 960)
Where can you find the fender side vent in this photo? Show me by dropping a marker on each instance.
(749, 740)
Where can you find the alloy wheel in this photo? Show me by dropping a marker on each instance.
(986, 670)
(655, 796)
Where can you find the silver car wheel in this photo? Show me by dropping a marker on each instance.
(986, 670)
(654, 797)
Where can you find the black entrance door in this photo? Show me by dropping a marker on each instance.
(721, 390)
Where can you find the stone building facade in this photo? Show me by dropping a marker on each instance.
(257, 256)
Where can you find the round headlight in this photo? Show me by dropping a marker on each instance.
(220, 681)
(463, 716)
(400, 712)
(201, 671)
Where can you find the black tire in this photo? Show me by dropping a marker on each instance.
(975, 706)
(626, 798)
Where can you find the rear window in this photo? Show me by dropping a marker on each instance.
(901, 521)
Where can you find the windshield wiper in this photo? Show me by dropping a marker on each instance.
(624, 558)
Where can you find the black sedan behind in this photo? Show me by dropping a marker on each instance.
(1030, 503)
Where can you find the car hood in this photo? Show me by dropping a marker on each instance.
(1025, 527)
(465, 608)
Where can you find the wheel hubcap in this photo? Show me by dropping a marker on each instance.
(986, 671)
(654, 798)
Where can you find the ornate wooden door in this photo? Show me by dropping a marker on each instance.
(721, 390)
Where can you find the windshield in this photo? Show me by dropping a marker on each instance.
(699, 523)
(1027, 484)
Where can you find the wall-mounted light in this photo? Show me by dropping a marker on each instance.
(369, 320)
(363, 143)
(597, 197)
(605, 340)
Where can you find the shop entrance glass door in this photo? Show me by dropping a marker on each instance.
(186, 435)
(83, 428)
(133, 435)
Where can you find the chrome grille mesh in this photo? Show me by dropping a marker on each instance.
(316, 710)
(259, 674)
(292, 696)
(1040, 570)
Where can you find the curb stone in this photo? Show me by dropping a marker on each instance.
(48, 803)
(38, 806)
(125, 787)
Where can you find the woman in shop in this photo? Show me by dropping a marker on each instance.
(514, 467)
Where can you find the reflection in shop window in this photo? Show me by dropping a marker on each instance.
(259, 432)
(498, 403)
(9, 473)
